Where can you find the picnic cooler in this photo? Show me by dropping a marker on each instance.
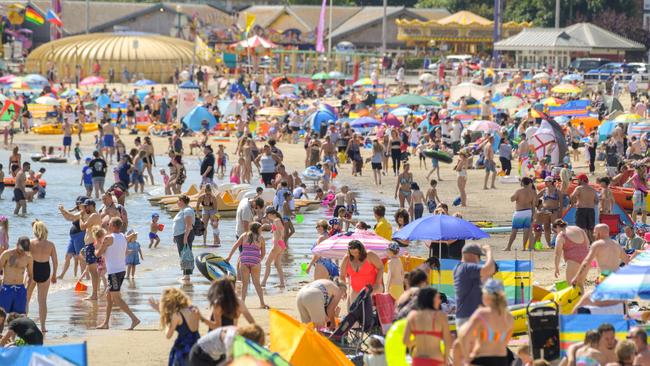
(544, 331)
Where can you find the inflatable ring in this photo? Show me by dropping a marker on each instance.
(312, 173)
(394, 345)
(213, 266)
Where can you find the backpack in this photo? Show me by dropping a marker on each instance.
(187, 258)
(198, 227)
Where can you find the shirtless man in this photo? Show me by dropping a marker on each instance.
(524, 199)
(618, 135)
(20, 193)
(109, 140)
(586, 351)
(490, 165)
(640, 339)
(328, 150)
(88, 220)
(110, 210)
(67, 137)
(607, 343)
(42, 251)
(609, 255)
(14, 263)
(585, 199)
(522, 152)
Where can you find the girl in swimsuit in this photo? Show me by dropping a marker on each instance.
(324, 268)
(403, 186)
(429, 327)
(208, 202)
(550, 211)
(461, 180)
(253, 249)
(15, 158)
(279, 246)
(363, 268)
(42, 250)
(149, 160)
(587, 353)
(571, 243)
(483, 340)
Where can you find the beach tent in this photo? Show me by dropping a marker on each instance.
(300, 344)
(65, 354)
(570, 215)
(196, 116)
(549, 140)
(319, 118)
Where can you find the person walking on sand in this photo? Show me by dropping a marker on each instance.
(488, 161)
(42, 250)
(20, 193)
(461, 176)
(253, 249)
(14, 263)
(113, 248)
(524, 199)
(572, 243)
(585, 199)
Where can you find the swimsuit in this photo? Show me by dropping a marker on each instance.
(586, 361)
(425, 361)
(488, 334)
(405, 181)
(280, 242)
(330, 266)
(522, 219)
(153, 236)
(366, 275)
(183, 343)
(573, 251)
(42, 271)
(91, 258)
(13, 298)
(251, 255)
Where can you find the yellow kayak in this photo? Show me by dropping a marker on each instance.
(57, 129)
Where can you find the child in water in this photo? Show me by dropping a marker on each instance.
(165, 179)
(77, 153)
(133, 254)
(287, 212)
(432, 196)
(87, 178)
(154, 240)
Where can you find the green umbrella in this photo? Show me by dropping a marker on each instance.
(410, 99)
(320, 76)
(242, 346)
(509, 102)
(336, 75)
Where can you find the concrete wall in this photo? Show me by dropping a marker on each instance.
(156, 22)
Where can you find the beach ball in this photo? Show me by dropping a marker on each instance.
(394, 345)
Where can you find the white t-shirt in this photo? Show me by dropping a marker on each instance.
(218, 342)
(298, 192)
(115, 255)
(456, 131)
(244, 214)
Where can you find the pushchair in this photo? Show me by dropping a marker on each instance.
(359, 324)
(544, 331)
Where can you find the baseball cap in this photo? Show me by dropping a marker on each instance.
(493, 286)
(88, 202)
(155, 214)
(549, 179)
(473, 248)
(393, 247)
(583, 177)
(81, 199)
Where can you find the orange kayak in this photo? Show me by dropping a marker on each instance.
(11, 181)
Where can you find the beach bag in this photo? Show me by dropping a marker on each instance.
(198, 227)
(187, 258)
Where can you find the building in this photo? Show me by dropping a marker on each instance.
(462, 32)
(534, 47)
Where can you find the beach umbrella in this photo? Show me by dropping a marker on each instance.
(20, 84)
(336, 246)
(605, 130)
(188, 85)
(144, 82)
(548, 140)
(628, 118)
(401, 111)
(541, 76)
(629, 282)
(194, 119)
(103, 100)
(319, 118)
(364, 122)
(410, 99)
(320, 76)
(391, 120)
(552, 102)
(70, 93)
(427, 78)
(509, 102)
(363, 82)
(566, 89)
(286, 89)
(440, 228)
(7, 79)
(328, 107)
(336, 75)
(638, 129)
(562, 119)
(47, 101)
(35, 79)
(272, 112)
(256, 42)
(572, 77)
(538, 114)
(612, 104)
(484, 126)
(92, 80)
(467, 89)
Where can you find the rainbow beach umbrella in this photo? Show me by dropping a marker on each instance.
(628, 118)
(628, 283)
(566, 89)
(336, 246)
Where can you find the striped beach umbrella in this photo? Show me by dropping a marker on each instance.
(630, 282)
(628, 118)
(566, 89)
(484, 126)
(336, 246)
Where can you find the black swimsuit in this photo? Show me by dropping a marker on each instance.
(41, 271)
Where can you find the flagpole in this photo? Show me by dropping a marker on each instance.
(87, 16)
(329, 37)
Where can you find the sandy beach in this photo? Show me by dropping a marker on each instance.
(147, 344)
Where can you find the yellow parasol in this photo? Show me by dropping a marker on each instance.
(566, 89)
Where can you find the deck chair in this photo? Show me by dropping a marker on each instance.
(613, 221)
(385, 306)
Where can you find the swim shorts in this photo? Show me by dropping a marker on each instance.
(522, 219)
(153, 236)
(115, 281)
(639, 201)
(490, 166)
(108, 141)
(13, 298)
(76, 243)
(67, 140)
(18, 195)
(585, 218)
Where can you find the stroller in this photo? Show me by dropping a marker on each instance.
(350, 338)
(544, 331)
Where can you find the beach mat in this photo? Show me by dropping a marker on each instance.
(300, 344)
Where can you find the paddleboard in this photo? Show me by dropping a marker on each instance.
(438, 155)
(213, 266)
(497, 229)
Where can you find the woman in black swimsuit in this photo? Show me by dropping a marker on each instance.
(42, 250)
(226, 306)
(149, 159)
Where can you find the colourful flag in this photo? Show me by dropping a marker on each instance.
(56, 30)
(32, 15)
(250, 20)
(53, 18)
(320, 47)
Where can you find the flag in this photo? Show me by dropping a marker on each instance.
(250, 19)
(32, 15)
(8, 103)
(55, 29)
(53, 18)
(321, 28)
(203, 51)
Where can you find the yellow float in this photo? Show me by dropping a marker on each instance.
(57, 129)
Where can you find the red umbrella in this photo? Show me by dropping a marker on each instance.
(391, 120)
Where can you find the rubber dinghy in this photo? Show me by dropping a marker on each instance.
(213, 266)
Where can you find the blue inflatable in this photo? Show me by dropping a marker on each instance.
(196, 116)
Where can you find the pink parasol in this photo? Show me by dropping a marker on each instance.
(337, 246)
(484, 126)
(91, 80)
(256, 42)
(391, 120)
(7, 79)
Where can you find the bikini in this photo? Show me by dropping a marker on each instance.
(425, 361)
(366, 275)
(405, 181)
(490, 335)
(280, 242)
(552, 197)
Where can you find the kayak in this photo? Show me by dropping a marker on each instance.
(438, 155)
(57, 129)
(11, 181)
(53, 159)
(213, 266)
(622, 195)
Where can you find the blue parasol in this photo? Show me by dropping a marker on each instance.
(188, 85)
(197, 115)
(364, 122)
(628, 283)
(440, 228)
(316, 119)
(144, 82)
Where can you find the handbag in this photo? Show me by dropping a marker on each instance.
(187, 258)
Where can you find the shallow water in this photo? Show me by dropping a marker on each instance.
(70, 315)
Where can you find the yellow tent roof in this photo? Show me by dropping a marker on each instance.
(464, 18)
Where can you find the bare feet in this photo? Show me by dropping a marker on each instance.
(91, 298)
(265, 307)
(506, 249)
(134, 323)
(103, 326)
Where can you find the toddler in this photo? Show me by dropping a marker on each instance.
(165, 179)
(133, 254)
(154, 240)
